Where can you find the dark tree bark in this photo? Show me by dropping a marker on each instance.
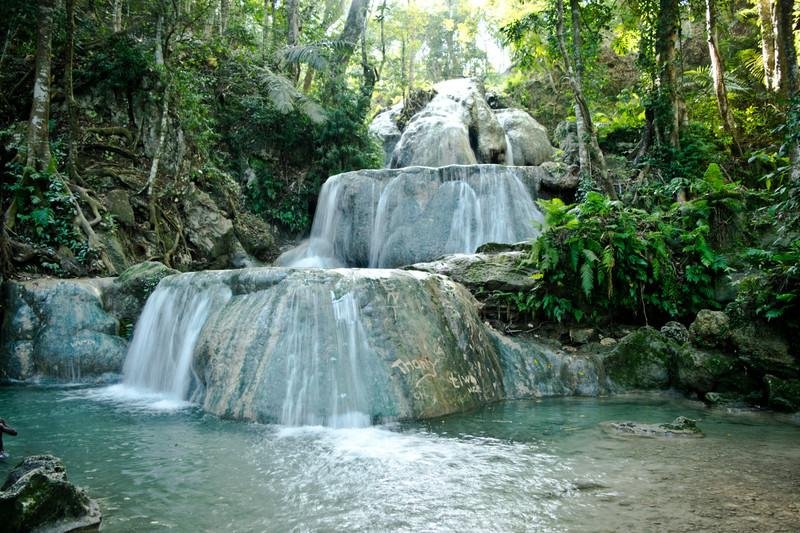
(790, 74)
(354, 27)
(72, 107)
(38, 136)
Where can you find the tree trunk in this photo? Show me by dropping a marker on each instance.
(269, 22)
(668, 116)
(766, 13)
(38, 135)
(718, 76)
(117, 17)
(354, 27)
(790, 75)
(293, 34)
(589, 150)
(72, 107)
(224, 11)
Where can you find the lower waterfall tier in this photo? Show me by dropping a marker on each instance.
(316, 347)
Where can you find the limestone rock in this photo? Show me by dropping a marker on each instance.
(457, 127)
(680, 427)
(128, 293)
(641, 360)
(389, 344)
(207, 228)
(384, 128)
(37, 496)
(581, 335)
(676, 332)
(59, 329)
(483, 271)
(528, 138)
(532, 369)
(710, 329)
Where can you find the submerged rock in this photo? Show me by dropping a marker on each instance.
(58, 329)
(37, 496)
(395, 217)
(680, 427)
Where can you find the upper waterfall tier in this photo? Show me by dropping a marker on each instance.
(306, 347)
(456, 126)
(389, 218)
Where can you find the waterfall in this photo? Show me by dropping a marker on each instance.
(509, 152)
(394, 217)
(160, 354)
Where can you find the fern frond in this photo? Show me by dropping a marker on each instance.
(312, 55)
(587, 278)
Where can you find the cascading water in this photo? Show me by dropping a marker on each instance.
(509, 152)
(389, 218)
(161, 352)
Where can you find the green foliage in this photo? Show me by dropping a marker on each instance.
(120, 63)
(772, 291)
(601, 259)
(282, 202)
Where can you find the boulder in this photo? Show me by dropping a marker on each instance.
(680, 427)
(764, 349)
(256, 236)
(641, 360)
(710, 329)
(127, 294)
(119, 206)
(59, 329)
(703, 371)
(483, 272)
(675, 331)
(37, 496)
(395, 217)
(208, 229)
(527, 138)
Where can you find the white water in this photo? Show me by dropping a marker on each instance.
(160, 355)
(509, 152)
(373, 218)
(324, 387)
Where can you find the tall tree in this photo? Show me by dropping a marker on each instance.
(766, 18)
(38, 135)
(670, 106)
(718, 76)
(790, 76)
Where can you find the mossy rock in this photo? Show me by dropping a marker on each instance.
(641, 360)
(702, 371)
(710, 329)
(256, 236)
(37, 496)
(128, 293)
(783, 394)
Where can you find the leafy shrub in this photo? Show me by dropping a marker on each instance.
(601, 259)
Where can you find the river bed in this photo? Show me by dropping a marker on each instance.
(540, 465)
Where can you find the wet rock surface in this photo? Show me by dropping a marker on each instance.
(126, 296)
(59, 329)
(37, 496)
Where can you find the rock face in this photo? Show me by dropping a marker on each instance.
(59, 329)
(384, 128)
(532, 369)
(37, 496)
(389, 218)
(710, 329)
(527, 138)
(208, 229)
(126, 296)
(334, 347)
